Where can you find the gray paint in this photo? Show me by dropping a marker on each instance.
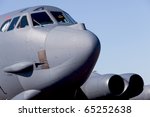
(97, 86)
(71, 52)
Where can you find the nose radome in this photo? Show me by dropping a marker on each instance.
(63, 44)
(87, 44)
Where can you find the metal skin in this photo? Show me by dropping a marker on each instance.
(55, 61)
(145, 95)
(112, 86)
(103, 86)
(69, 51)
(133, 85)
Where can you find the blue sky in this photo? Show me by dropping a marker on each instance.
(123, 27)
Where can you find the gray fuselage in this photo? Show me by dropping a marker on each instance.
(43, 56)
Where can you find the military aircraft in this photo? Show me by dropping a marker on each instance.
(46, 54)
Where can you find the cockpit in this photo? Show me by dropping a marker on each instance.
(62, 17)
(41, 19)
(44, 18)
(38, 17)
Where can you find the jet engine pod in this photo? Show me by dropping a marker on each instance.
(101, 86)
(134, 86)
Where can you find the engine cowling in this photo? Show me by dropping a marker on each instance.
(133, 85)
(145, 95)
(102, 86)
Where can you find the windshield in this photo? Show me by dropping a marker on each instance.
(62, 17)
(40, 19)
(13, 23)
(5, 25)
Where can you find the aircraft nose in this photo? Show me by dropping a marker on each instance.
(87, 47)
(63, 45)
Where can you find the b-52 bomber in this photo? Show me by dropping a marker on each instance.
(46, 54)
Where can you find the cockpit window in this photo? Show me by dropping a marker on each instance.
(40, 19)
(23, 22)
(5, 25)
(13, 23)
(70, 18)
(62, 17)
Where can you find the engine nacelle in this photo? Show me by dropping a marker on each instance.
(133, 85)
(98, 86)
(145, 95)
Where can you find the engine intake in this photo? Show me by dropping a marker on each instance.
(99, 86)
(134, 86)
